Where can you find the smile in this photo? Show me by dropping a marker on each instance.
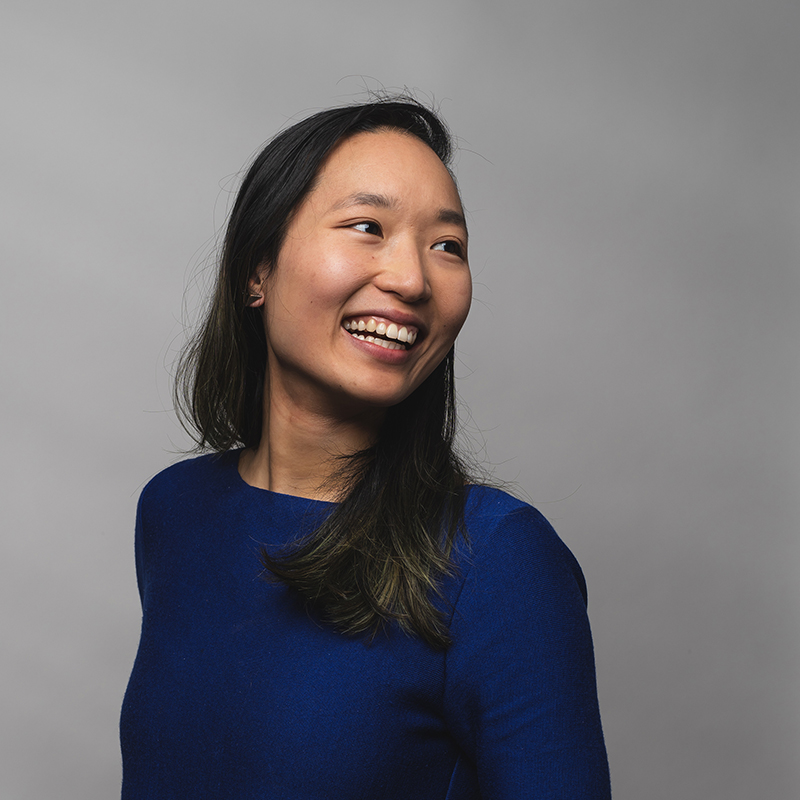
(389, 336)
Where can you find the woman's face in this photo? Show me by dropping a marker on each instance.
(372, 284)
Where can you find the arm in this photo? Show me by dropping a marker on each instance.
(520, 694)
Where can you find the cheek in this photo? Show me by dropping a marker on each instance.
(326, 275)
(459, 300)
(340, 272)
(296, 285)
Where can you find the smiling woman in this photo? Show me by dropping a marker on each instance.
(417, 635)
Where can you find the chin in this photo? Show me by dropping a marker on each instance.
(380, 399)
(384, 401)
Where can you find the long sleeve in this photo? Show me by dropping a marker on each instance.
(520, 691)
(139, 550)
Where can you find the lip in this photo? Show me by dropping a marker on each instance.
(393, 357)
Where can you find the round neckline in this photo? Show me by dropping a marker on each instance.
(235, 456)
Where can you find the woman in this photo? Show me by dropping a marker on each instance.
(417, 636)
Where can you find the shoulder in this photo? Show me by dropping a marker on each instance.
(188, 480)
(191, 472)
(491, 501)
(494, 518)
(511, 539)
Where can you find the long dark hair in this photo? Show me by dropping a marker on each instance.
(383, 551)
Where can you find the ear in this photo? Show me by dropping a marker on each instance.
(255, 290)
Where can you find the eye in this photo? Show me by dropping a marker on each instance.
(450, 246)
(368, 227)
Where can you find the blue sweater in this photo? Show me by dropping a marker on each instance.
(238, 692)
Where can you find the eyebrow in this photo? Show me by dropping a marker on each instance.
(446, 215)
(452, 217)
(365, 199)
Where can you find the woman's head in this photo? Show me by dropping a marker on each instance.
(290, 174)
(371, 284)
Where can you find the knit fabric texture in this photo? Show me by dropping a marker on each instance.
(238, 691)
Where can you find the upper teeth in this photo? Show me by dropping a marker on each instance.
(390, 331)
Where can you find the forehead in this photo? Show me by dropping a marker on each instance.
(390, 162)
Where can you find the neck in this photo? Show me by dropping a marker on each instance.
(299, 448)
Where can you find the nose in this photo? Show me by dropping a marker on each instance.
(404, 273)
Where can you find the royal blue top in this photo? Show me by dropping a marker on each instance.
(239, 692)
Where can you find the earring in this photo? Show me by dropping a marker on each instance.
(252, 298)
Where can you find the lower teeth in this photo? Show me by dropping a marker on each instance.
(382, 342)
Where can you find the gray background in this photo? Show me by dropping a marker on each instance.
(632, 178)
